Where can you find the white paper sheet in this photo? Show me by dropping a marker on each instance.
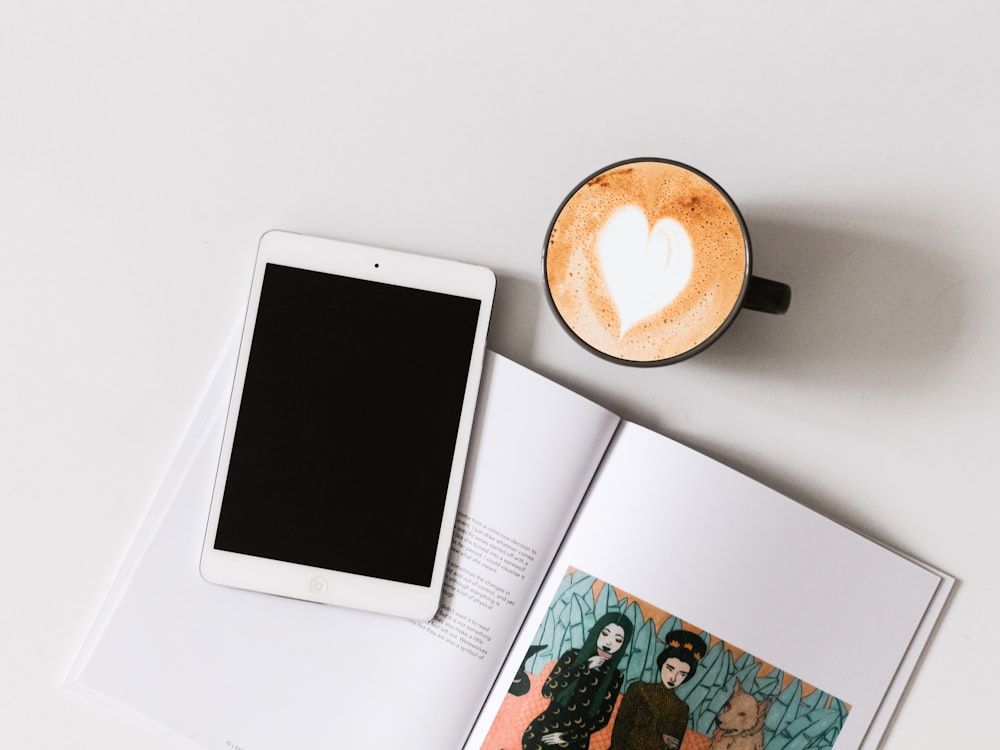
(729, 556)
(233, 669)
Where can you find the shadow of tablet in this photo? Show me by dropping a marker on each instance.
(875, 303)
(516, 310)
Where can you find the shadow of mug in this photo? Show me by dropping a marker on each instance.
(877, 305)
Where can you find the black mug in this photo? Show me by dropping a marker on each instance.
(648, 261)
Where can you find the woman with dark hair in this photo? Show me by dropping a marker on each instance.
(582, 688)
(651, 716)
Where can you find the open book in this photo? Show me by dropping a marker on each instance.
(590, 555)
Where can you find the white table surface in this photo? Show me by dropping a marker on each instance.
(144, 147)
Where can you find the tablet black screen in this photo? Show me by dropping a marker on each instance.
(346, 430)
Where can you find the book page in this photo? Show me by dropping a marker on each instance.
(687, 595)
(233, 669)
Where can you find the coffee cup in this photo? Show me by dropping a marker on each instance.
(648, 262)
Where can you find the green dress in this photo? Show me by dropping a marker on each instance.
(648, 715)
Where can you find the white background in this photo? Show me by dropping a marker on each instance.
(144, 148)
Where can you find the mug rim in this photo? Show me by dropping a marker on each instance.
(719, 330)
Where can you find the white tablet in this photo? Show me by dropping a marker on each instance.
(349, 425)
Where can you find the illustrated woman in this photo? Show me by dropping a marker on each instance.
(582, 688)
(651, 716)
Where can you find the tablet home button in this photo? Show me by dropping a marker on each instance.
(318, 585)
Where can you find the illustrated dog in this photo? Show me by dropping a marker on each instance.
(741, 722)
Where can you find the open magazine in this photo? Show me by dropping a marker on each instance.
(608, 587)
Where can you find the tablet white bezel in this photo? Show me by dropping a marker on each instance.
(329, 586)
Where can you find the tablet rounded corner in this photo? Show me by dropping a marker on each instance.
(202, 569)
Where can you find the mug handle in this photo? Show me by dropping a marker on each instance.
(767, 296)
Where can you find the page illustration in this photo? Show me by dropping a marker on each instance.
(607, 670)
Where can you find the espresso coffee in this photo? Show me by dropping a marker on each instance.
(647, 261)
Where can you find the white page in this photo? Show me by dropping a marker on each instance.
(228, 668)
(729, 556)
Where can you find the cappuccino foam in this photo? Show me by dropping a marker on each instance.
(646, 261)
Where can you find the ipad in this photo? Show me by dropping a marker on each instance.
(348, 426)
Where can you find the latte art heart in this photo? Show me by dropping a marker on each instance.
(644, 269)
(623, 277)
